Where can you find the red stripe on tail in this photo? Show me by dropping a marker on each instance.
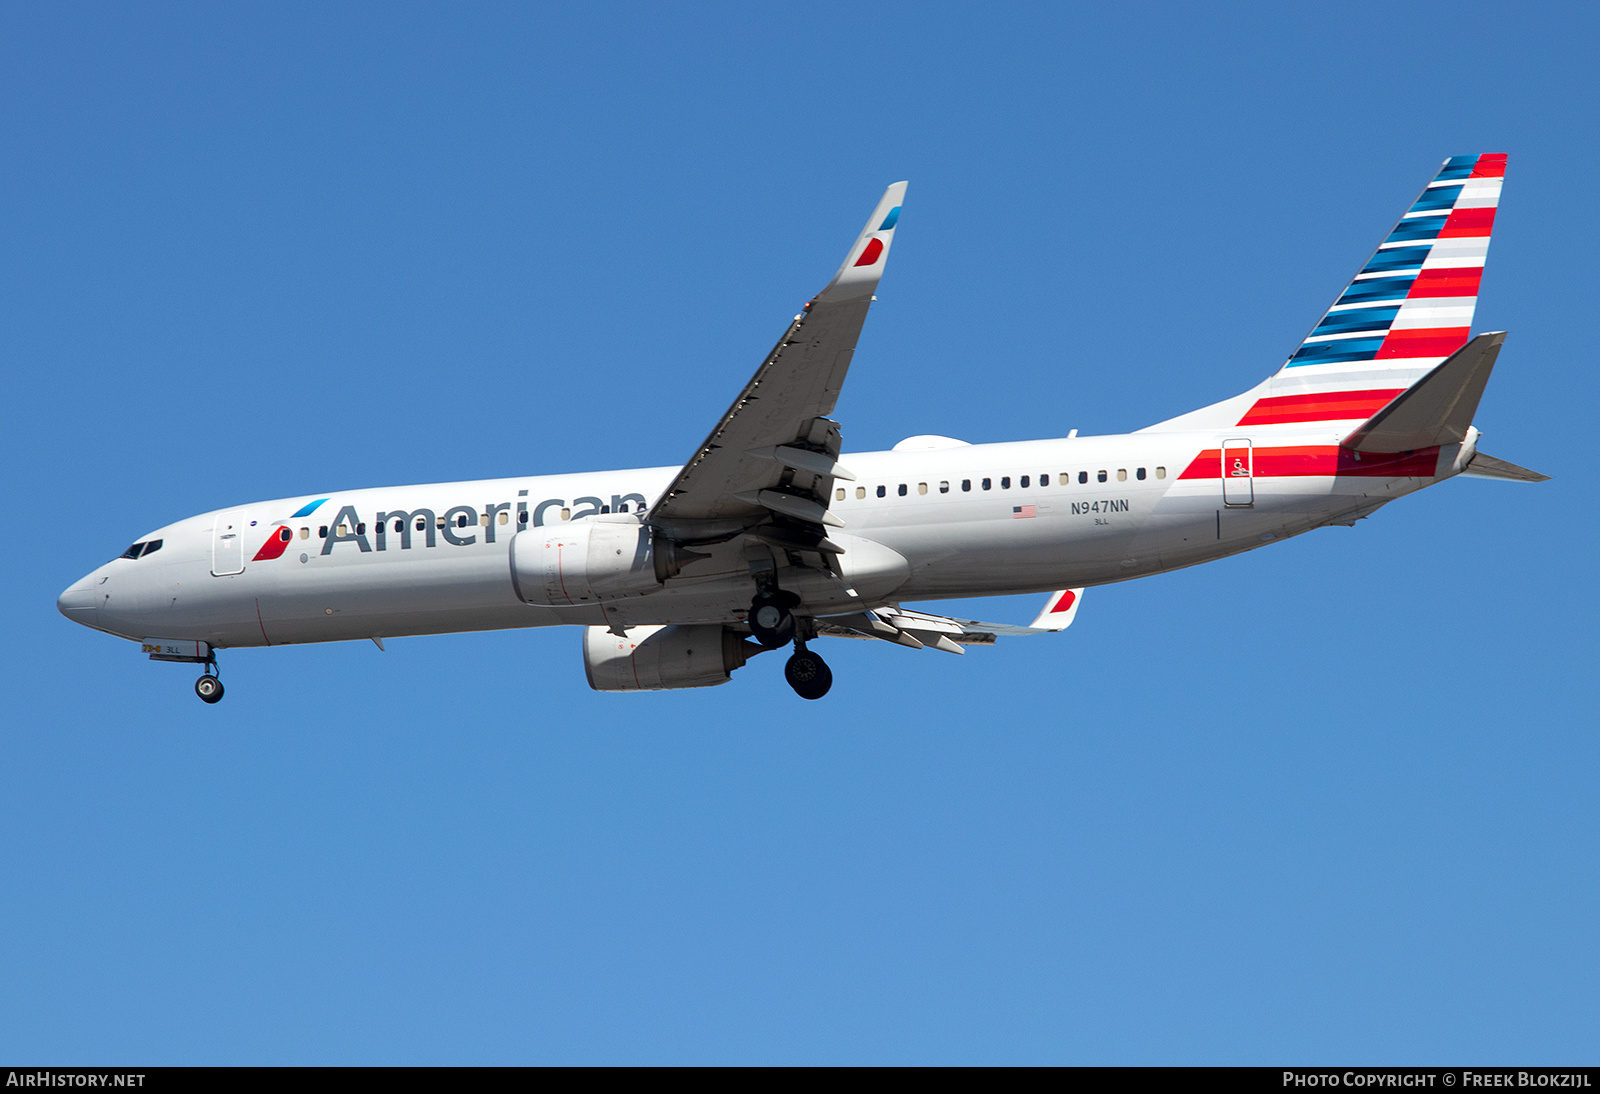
(1468, 222)
(1324, 406)
(1457, 281)
(1428, 342)
(1490, 165)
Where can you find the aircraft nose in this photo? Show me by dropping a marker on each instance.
(80, 601)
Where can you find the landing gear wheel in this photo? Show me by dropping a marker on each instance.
(808, 674)
(771, 622)
(209, 688)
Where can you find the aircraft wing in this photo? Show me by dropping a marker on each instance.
(772, 457)
(920, 629)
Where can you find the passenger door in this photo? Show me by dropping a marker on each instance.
(227, 544)
(1238, 475)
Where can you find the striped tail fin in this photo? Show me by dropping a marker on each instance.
(1409, 307)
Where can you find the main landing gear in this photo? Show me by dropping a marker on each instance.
(209, 686)
(771, 621)
(807, 673)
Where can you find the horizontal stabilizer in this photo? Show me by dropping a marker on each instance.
(1485, 466)
(1438, 408)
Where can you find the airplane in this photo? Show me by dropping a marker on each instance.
(771, 536)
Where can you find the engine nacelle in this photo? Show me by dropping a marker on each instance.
(583, 562)
(699, 655)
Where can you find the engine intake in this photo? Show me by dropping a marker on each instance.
(583, 562)
(699, 655)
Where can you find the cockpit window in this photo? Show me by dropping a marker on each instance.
(133, 552)
(152, 547)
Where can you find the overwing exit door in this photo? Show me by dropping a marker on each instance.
(227, 544)
(1238, 475)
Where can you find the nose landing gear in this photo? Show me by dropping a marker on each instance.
(209, 686)
(807, 673)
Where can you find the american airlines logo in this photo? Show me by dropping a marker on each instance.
(460, 525)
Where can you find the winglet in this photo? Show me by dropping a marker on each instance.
(1059, 611)
(863, 265)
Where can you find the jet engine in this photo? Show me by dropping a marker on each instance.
(661, 658)
(583, 562)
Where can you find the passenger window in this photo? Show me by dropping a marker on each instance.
(505, 517)
(944, 486)
(461, 521)
(902, 490)
(883, 491)
(986, 484)
(1066, 477)
(1005, 482)
(1122, 474)
(838, 495)
(1024, 482)
(1044, 479)
(1139, 474)
(922, 488)
(284, 535)
(966, 485)
(305, 533)
(861, 492)
(483, 518)
(522, 517)
(566, 513)
(1083, 476)
(1161, 472)
(1102, 476)
(399, 526)
(422, 524)
(361, 529)
(322, 531)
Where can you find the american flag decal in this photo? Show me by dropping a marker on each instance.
(1022, 512)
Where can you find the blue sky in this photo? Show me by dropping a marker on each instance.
(1328, 802)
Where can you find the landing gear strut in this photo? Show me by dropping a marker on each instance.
(209, 686)
(807, 673)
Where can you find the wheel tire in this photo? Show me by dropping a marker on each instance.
(770, 622)
(808, 674)
(209, 688)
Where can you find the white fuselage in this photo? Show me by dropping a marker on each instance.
(1094, 510)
